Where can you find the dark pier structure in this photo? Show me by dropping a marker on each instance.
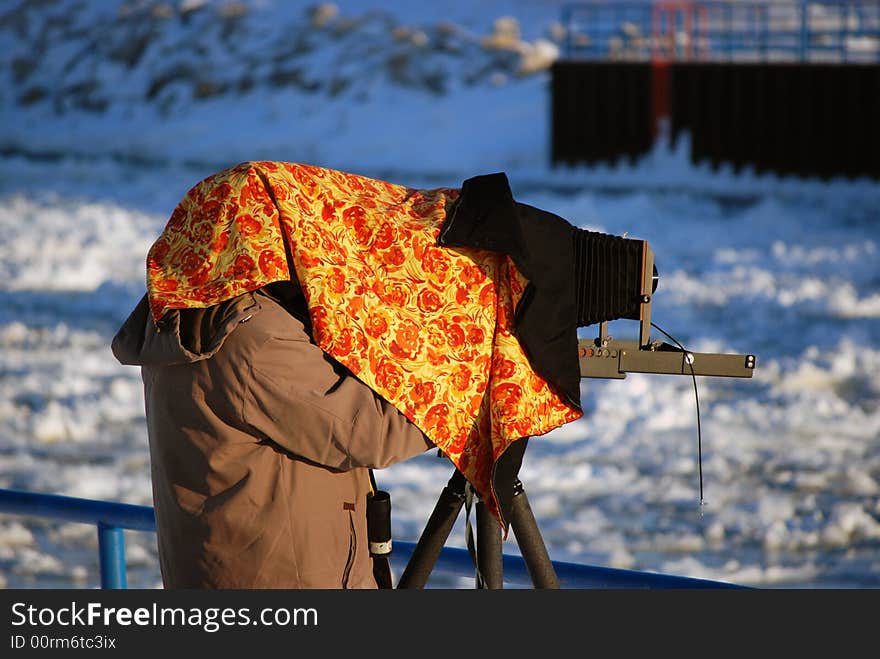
(791, 87)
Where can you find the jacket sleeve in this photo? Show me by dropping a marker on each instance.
(298, 397)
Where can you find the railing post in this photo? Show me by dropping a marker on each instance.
(111, 550)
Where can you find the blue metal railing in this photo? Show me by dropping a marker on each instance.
(112, 518)
(713, 30)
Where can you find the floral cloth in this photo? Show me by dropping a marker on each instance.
(428, 328)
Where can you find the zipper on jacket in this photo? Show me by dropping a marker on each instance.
(352, 544)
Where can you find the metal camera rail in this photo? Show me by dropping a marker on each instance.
(614, 359)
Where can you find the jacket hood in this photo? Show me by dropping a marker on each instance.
(182, 336)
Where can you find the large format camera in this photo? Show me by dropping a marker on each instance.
(616, 279)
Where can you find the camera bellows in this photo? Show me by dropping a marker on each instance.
(608, 277)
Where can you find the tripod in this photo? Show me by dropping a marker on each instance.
(515, 510)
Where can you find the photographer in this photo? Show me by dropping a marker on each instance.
(303, 325)
(260, 445)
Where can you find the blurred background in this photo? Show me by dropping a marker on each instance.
(739, 138)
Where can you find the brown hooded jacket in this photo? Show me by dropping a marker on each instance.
(260, 446)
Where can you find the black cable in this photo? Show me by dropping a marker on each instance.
(470, 501)
(697, 399)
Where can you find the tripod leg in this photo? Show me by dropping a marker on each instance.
(528, 537)
(435, 533)
(489, 559)
(517, 513)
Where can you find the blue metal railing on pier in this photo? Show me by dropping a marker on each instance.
(112, 518)
(731, 30)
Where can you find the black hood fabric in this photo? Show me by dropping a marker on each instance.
(541, 245)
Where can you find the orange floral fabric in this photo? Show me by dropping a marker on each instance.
(428, 328)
